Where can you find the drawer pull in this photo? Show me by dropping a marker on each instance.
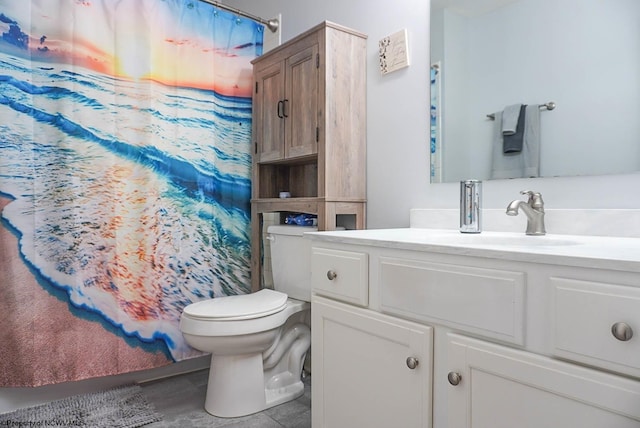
(454, 378)
(331, 275)
(412, 362)
(622, 331)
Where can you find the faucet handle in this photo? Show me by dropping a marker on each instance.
(535, 198)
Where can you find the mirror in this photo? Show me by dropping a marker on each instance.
(584, 55)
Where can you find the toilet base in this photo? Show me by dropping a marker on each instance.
(236, 387)
(282, 395)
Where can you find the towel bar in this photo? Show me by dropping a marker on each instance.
(547, 106)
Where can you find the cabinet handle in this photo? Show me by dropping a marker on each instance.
(285, 107)
(412, 362)
(280, 109)
(454, 378)
(331, 275)
(622, 331)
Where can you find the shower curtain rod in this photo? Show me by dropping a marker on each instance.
(272, 23)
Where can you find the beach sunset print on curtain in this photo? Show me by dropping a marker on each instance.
(124, 179)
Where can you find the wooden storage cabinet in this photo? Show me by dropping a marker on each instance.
(309, 131)
(286, 103)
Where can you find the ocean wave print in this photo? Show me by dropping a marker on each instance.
(132, 211)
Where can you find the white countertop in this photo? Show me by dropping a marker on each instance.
(570, 250)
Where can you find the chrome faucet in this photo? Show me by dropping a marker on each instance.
(533, 208)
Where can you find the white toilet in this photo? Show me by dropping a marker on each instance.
(258, 341)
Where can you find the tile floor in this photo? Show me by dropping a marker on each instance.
(180, 400)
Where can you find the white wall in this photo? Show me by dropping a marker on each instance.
(398, 109)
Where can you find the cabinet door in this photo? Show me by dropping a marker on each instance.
(301, 102)
(268, 114)
(361, 376)
(505, 388)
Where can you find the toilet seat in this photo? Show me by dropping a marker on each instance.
(241, 307)
(231, 327)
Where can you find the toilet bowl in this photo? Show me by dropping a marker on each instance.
(258, 341)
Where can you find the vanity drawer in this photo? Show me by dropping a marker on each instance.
(583, 316)
(487, 302)
(342, 275)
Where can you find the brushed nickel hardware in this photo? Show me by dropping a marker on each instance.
(412, 362)
(534, 210)
(622, 331)
(331, 275)
(454, 378)
(547, 106)
(272, 24)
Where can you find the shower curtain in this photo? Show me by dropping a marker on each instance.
(125, 162)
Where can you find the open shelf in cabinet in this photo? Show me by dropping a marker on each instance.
(299, 178)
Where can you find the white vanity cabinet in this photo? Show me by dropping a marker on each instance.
(502, 339)
(593, 322)
(499, 387)
(369, 369)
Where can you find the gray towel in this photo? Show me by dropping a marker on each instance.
(503, 165)
(521, 164)
(510, 116)
(531, 146)
(512, 143)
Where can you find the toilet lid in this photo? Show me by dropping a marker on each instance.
(246, 306)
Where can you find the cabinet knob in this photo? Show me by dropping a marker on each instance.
(454, 378)
(412, 362)
(622, 331)
(331, 275)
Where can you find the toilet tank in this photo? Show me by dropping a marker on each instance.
(291, 260)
